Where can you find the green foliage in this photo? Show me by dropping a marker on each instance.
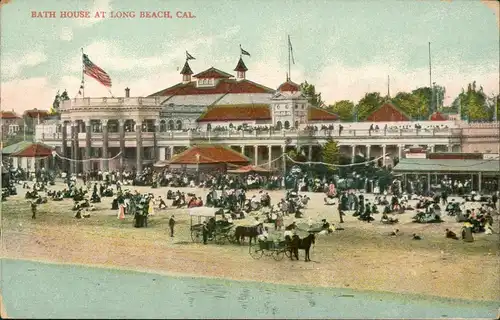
(412, 105)
(296, 156)
(369, 103)
(344, 109)
(472, 103)
(64, 96)
(309, 90)
(330, 152)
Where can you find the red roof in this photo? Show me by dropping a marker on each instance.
(8, 115)
(34, 150)
(213, 73)
(387, 113)
(437, 116)
(247, 169)
(318, 114)
(36, 113)
(289, 86)
(209, 154)
(237, 113)
(224, 86)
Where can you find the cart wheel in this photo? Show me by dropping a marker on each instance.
(288, 254)
(232, 238)
(255, 251)
(220, 240)
(196, 236)
(278, 255)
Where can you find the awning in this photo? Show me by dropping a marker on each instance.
(248, 169)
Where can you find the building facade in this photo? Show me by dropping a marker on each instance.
(216, 107)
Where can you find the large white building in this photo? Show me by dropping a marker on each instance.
(214, 106)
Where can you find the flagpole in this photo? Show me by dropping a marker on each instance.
(241, 55)
(289, 58)
(83, 77)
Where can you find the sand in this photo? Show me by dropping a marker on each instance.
(362, 256)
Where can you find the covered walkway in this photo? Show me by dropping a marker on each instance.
(480, 172)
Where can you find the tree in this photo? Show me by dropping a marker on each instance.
(369, 103)
(296, 156)
(472, 103)
(309, 90)
(64, 96)
(331, 152)
(476, 110)
(344, 109)
(411, 104)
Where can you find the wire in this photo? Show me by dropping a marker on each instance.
(337, 165)
(91, 159)
(448, 165)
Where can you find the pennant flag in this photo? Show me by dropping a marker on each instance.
(291, 49)
(244, 52)
(189, 57)
(95, 72)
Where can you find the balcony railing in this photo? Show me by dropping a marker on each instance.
(270, 134)
(112, 102)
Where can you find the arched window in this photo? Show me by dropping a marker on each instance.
(279, 126)
(171, 125)
(296, 124)
(129, 125)
(287, 125)
(178, 125)
(209, 127)
(163, 126)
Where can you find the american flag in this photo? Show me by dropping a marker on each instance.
(95, 72)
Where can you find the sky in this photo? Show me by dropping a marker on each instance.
(344, 47)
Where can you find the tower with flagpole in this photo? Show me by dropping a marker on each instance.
(241, 68)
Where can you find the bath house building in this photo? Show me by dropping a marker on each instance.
(217, 107)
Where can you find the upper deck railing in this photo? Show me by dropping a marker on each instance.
(111, 102)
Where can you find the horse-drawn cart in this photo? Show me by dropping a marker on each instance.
(269, 248)
(217, 230)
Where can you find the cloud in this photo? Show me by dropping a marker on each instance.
(66, 34)
(20, 95)
(111, 57)
(12, 66)
(99, 5)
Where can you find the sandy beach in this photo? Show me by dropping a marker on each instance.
(360, 257)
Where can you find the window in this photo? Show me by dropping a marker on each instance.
(302, 107)
(279, 126)
(287, 125)
(296, 124)
(296, 106)
(178, 125)
(163, 126)
(171, 125)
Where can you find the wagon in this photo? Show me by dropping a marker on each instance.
(269, 248)
(221, 234)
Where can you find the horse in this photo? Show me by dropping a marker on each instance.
(241, 232)
(295, 243)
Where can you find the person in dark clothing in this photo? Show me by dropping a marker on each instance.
(494, 199)
(171, 224)
(33, 210)
(162, 205)
(341, 213)
(205, 232)
(444, 197)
